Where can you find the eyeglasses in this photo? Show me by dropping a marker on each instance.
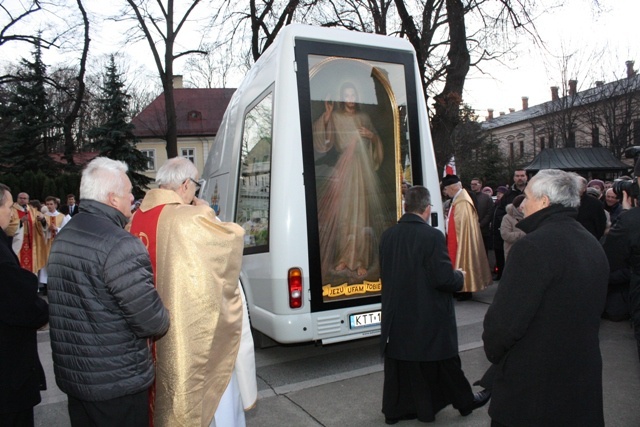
(197, 184)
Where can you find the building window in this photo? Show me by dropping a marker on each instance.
(521, 148)
(511, 152)
(541, 143)
(571, 142)
(551, 141)
(636, 132)
(595, 136)
(190, 154)
(151, 158)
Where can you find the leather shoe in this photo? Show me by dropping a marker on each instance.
(463, 296)
(402, 418)
(479, 400)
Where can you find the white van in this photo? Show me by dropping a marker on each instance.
(310, 159)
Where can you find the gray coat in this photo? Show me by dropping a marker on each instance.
(103, 307)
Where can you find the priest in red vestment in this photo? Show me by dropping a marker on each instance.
(196, 262)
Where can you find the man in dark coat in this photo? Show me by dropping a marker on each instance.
(591, 212)
(622, 246)
(419, 340)
(485, 208)
(519, 184)
(22, 312)
(542, 327)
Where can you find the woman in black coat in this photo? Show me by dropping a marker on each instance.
(542, 327)
(22, 312)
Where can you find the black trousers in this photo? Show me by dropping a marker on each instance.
(17, 419)
(127, 411)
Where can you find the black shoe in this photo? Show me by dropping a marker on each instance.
(463, 296)
(402, 418)
(479, 400)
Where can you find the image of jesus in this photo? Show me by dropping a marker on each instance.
(350, 210)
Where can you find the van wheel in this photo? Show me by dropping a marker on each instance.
(260, 340)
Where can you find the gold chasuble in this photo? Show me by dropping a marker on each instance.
(464, 239)
(53, 223)
(196, 263)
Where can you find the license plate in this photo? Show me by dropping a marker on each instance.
(362, 320)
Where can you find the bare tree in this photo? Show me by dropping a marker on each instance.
(611, 112)
(211, 70)
(78, 96)
(159, 26)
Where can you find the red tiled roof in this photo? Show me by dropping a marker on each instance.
(79, 159)
(199, 113)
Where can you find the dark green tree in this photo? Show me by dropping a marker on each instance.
(476, 156)
(28, 122)
(114, 138)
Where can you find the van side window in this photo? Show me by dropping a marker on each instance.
(252, 210)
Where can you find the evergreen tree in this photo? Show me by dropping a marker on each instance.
(114, 138)
(475, 155)
(28, 121)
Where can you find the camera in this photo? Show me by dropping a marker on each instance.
(628, 186)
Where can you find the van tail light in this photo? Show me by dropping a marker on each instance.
(295, 288)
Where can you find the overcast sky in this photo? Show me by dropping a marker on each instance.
(577, 28)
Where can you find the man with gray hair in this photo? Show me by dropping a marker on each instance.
(196, 261)
(542, 327)
(104, 310)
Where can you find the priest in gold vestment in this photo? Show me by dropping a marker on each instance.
(464, 239)
(201, 363)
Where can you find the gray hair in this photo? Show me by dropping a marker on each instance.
(560, 187)
(174, 172)
(416, 199)
(103, 176)
(3, 191)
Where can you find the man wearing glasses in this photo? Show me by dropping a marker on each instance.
(196, 262)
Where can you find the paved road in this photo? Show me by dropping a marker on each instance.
(341, 384)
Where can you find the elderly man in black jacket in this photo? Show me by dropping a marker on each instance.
(105, 310)
(419, 341)
(542, 327)
(22, 312)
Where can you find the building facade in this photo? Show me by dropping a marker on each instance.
(606, 115)
(199, 113)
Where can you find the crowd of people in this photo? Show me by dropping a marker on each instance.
(567, 253)
(127, 351)
(125, 345)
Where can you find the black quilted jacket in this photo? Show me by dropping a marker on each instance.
(103, 307)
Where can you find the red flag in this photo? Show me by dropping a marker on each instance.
(450, 168)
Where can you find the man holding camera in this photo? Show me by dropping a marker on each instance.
(622, 244)
(205, 361)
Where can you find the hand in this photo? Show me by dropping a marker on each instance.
(464, 273)
(199, 202)
(365, 133)
(328, 109)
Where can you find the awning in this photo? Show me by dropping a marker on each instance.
(578, 159)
